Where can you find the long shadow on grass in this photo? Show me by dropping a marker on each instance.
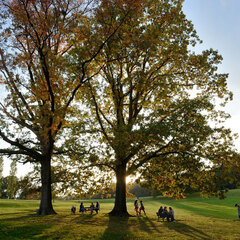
(29, 218)
(208, 211)
(22, 232)
(147, 225)
(27, 226)
(16, 213)
(117, 229)
(187, 230)
(85, 218)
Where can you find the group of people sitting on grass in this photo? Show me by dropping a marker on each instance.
(164, 213)
(83, 209)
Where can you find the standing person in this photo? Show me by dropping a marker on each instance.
(136, 206)
(171, 215)
(142, 208)
(97, 207)
(236, 205)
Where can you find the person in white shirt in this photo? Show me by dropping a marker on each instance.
(171, 215)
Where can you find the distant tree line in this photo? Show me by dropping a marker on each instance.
(29, 187)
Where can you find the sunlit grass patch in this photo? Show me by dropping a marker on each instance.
(197, 218)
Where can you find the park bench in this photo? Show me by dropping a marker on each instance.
(89, 209)
(161, 216)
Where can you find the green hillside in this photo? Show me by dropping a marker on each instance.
(197, 218)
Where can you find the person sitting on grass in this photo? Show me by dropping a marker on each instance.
(236, 205)
(73, 210)
(165, 213)
(82, 208)
(92, 207)
(159, 212)
(97, 207)
(170, 215)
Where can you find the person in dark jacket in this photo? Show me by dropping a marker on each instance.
(97, 208)
(73, 210)
(159, 212)
(82, 208)
(92, 207)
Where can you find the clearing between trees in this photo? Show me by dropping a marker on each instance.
(196, 218)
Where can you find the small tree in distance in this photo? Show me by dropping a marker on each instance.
(12, 180)
(1, 175)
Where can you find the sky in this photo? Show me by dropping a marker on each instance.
(217, 23)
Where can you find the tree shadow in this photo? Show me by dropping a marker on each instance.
(31, 216)
(16, 213)
(85, 218)
(19, 218)
(118, 228)
(187, 230)
(147, 225)
(23, 231)
(29, 226)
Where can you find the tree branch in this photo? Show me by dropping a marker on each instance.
(30, 152)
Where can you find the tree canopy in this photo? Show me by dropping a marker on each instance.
(42, 77)
(154, 102)
(129, 70)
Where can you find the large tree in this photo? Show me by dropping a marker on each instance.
(154, 97)
(42, 78)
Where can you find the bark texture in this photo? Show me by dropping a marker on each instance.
(46, 207)
(120, 206)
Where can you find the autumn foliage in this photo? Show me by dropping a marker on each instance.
(121, 75)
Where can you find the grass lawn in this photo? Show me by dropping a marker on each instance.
(197, 218)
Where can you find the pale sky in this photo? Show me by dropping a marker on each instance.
(218, 24)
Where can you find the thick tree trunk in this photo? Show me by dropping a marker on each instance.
(120, 206)
(46, 207)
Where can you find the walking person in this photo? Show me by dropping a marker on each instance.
(136, 206)
(142, 208)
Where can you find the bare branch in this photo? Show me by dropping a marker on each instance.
(30, 152)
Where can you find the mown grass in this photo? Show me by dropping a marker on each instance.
(197, 218)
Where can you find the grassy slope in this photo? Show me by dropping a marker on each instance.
(197, 218)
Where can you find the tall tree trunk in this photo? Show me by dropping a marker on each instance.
(46, 207)
(120, 206)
